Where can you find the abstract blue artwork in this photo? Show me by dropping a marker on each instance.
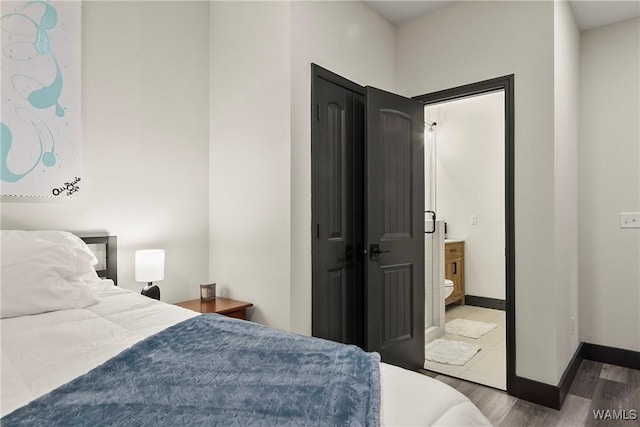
(40, 125)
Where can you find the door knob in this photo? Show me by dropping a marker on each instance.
(374, 250)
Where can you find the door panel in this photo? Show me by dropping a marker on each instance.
(394, 302)
(334, 326)
(337, 277)
(397, 286)
(396, 170)
(336, 145)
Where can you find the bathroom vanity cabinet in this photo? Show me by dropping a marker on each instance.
(454, 270)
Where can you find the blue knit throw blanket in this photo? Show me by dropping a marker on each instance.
(213, 370)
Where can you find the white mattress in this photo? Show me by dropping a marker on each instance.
(40, 353)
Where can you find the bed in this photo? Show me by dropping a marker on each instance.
(90, 352)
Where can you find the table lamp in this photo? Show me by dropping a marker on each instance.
(150, 268)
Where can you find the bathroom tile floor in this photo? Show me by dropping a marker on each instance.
(489, 365)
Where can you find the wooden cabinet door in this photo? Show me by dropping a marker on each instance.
(454, 271)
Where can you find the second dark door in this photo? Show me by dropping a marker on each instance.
(394, 303)
(337, 209)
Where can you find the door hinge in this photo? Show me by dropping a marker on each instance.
(318, 231)
(318, 112)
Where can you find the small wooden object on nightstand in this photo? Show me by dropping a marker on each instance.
(226, 306)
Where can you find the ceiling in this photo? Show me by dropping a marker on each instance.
(588, 14)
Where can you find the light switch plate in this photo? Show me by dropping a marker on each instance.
(630, 220)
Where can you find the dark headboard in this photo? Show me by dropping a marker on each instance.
(110, 254)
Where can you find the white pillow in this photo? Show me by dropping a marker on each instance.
(54, 236)
(40, 276)
(65, 238)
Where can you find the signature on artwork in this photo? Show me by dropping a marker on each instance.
(68, 188)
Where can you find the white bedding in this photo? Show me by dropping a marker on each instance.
(40, 353)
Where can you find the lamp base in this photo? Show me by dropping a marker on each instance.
(151, 291)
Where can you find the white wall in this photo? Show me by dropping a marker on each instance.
(470, 181)
(350, 39)
(472, 41)
(566, 103)
(145, 125)
(609, 177)
(261, 55)
(250, 156)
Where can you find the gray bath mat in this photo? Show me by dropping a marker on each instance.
(468, 328)
(450, 352)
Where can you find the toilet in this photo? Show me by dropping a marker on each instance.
(448, 288)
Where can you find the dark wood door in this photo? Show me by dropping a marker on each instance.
(337, 210)
(394, 170)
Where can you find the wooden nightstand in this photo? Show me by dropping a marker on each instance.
(226, 306)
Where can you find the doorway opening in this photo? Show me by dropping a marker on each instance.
(471, 294)
(464, 184)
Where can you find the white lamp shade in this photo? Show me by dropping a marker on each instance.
(149, 265)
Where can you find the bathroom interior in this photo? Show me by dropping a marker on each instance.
(465, 281)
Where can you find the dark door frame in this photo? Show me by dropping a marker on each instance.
(505, 83)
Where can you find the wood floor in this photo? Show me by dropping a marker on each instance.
(597, 386)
